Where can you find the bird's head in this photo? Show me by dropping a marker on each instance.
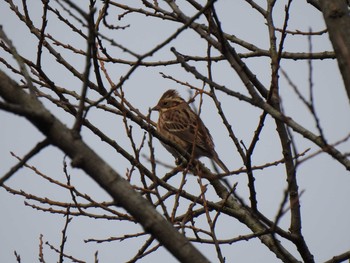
(170, 99)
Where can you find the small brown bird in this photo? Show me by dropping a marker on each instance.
(180, 124)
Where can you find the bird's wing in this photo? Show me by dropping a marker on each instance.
(188, 127)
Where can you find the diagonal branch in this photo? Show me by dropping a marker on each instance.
(41, 145)
(85, 158)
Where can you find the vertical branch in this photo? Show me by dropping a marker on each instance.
(213, 95)
(42, 33)
(18, 257)
(41, 253)
(64, 235)
(90, 43)
(246, 157)
(210, 222)
(295, 226)
(209, 68)
(203, 189)
(336, 16)
(248, 162)
(154, 174)
(274, 99)
(311, 104)
(178, 196)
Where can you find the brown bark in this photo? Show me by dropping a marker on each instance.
(85, 158)
(337, 18)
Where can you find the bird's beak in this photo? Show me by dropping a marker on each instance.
(156, 108)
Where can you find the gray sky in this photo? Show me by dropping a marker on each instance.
(325, 183)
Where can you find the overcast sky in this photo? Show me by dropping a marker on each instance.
(325, 183)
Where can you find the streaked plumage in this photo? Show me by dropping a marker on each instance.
(180, 124)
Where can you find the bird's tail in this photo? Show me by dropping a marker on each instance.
(221, 164)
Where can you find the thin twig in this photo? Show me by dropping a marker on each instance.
(41, 145)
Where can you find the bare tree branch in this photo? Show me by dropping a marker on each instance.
(337, 18)
(83, 157)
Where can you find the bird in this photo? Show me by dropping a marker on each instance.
(179, 123)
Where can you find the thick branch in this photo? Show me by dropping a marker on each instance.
(337, 18)
(85, 158)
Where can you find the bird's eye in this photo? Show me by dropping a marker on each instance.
(165, 103)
